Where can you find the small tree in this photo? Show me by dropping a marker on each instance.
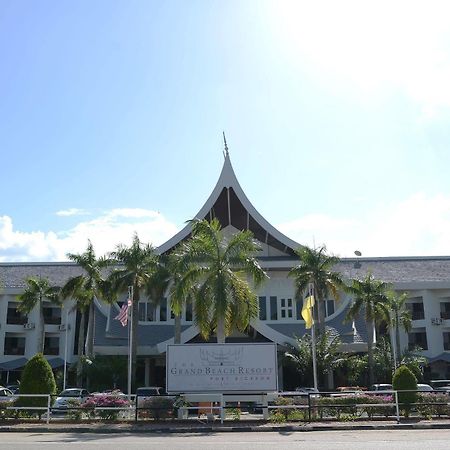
(405, 380)
(37, 378)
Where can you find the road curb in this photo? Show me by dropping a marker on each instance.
(224, 429)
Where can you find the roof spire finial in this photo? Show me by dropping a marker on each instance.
(225, 153)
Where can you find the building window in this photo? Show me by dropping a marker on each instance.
(142, 311)
(299, 306)
(446, 340)
(163, 310)
(286, 308)
(262, 308)
(14, 316)
(445, 310)
(14, 344)
(417, 339)
(329, 307)
(273, 308)
(52, 315)
(51, 345)
(189, 312)
(416, 309)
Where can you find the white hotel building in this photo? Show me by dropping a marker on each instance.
(426, 279)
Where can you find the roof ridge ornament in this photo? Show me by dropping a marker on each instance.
(226, 154)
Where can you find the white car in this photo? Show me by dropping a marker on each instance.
(60, 403)
(6, 396)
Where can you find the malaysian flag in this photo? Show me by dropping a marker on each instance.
(122, 317)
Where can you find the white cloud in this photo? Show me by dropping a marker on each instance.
(416, 226)
(105, 231)
(71, 212)
(376, 46)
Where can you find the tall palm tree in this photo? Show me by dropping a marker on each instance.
(370, 295)
(85, 288)
(316, 269)
(215, 269)
(399, 317)
(36, 291)
(141, 268)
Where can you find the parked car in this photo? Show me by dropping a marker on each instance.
(441, 385)
(14, 388)
(381, 387)
(60, 404)
(143, 393)
(424, 388)
(6, 396)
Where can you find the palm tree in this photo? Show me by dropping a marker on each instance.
(145, 271)
(316, 269)
(36, 291)
(181, 293)
(399, 317)
(85, 288)
(371, 296)
(329, 356)
(214, 270)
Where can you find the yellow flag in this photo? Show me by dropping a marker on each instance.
(308, 304)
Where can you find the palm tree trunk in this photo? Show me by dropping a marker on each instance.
(177, 325)
(134, 335)
(397, 339)
(41, 333)
(370, 350)
(90, 331)
(80, 349)
(220, 330)
(320, 315)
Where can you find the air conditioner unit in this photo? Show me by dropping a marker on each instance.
(62, 327)
(28, 326)
(436, 321)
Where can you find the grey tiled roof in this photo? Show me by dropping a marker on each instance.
(336, 326)
(13, 275)
(399, 270)
(390, 269)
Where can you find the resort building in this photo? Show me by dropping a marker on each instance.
(425, 279)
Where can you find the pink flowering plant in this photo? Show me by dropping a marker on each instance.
(97, 405)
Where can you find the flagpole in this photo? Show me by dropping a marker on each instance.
(130, 340)
(313, 341)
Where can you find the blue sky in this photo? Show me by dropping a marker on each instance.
(336, 115)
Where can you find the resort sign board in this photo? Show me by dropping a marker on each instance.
(222, 368)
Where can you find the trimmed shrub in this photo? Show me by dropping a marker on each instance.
(159, 407)
(405, 380)
(37, 378)
(430, 404)
(284, 401)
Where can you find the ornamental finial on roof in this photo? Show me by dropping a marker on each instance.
(225, 153)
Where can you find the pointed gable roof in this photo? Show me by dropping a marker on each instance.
(229, 204)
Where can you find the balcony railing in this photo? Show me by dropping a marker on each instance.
(417, 315)
(52, 320)
(16, 320)
(51, 351)
(14, 351)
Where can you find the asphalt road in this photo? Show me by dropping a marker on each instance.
(358, 440)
